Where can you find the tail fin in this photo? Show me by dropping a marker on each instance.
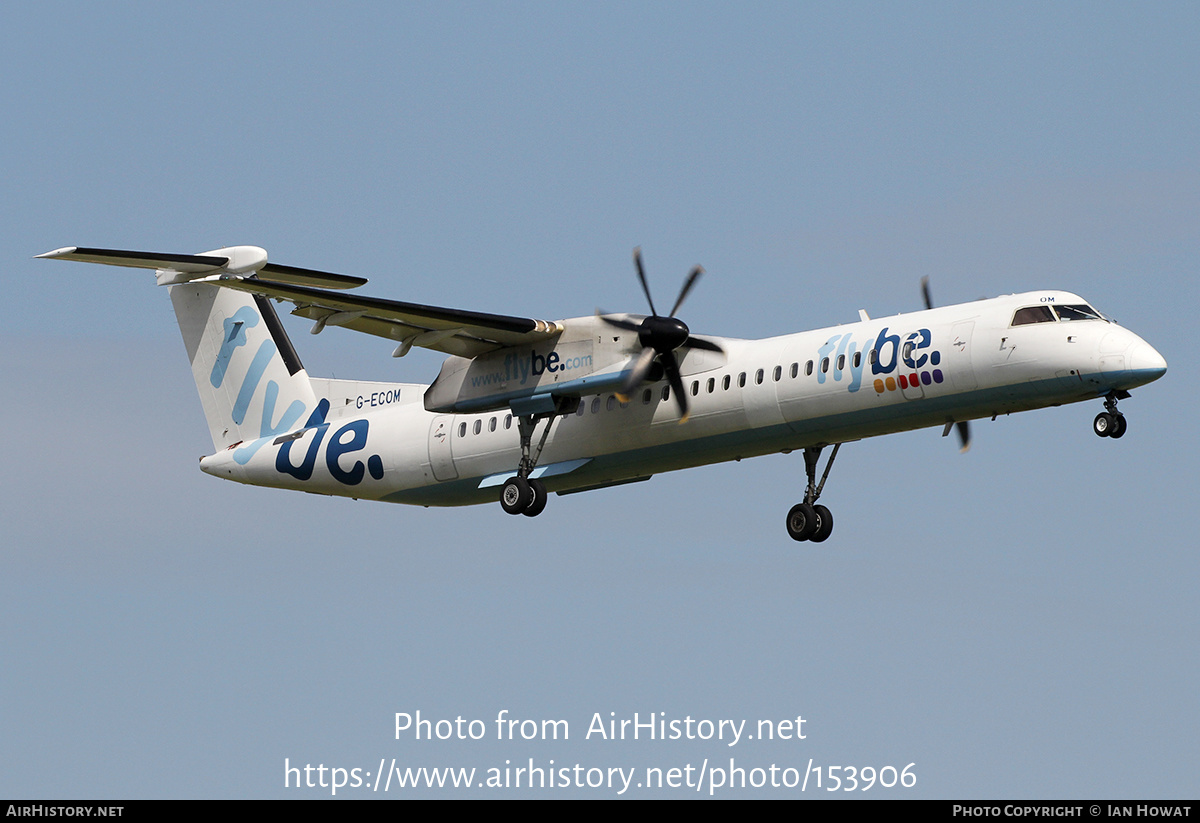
(250, 380)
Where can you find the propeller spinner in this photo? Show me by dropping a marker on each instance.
(660, 337)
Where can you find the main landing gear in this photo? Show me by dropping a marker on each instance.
(1110, 422)
(808, 520)
(524, 494)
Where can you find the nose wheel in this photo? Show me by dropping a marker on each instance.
(1109, 425)
(1110, 422)
(809, 520)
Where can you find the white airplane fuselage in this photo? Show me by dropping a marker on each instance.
(929, 368)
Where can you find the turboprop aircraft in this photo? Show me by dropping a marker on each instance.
(617, 397)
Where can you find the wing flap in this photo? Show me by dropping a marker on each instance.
(460, 344)
(295, 276)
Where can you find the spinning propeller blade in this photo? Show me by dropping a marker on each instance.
(964, 435)
(962, 426)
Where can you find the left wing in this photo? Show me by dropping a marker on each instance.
(453, 331)
(245, 268)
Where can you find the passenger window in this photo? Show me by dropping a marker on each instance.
(712, 384)
(695, 387)
(646, 395)
(742, 380)
(492, 425)
(808, 367)
(725, 383)
(825, 366)
(874, 356)
(478, 426)
(778, 373)
(857, 359)
(612, 402)
(666, 394)
(508, 421)
(596, 405)
(795, 370)
(758, 376)
(841, 362)
(1033, 314)
(462, 429)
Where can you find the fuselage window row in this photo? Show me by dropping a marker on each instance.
(710, 388)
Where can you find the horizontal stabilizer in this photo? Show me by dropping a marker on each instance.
(234, 260)
(187, 263)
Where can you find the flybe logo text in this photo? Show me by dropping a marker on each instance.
(912, 356)
(345, 442)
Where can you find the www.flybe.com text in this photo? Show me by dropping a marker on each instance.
(520, 368)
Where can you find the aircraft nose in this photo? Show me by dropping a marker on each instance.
(1146, 362)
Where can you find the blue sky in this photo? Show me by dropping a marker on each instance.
(1020, 621)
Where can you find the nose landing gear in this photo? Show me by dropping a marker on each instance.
(1110, 422)
(808, 520)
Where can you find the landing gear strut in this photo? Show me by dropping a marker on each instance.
(808, 520)
(1110, 422)
(524, 494)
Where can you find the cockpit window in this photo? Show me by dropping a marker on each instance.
(1033, 314)
(1081, 311)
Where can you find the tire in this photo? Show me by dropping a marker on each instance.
(538, 498)
(1119, 426)
(801, 522)
(1104, 424)
(516, 495)
(824, 524)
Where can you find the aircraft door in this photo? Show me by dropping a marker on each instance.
(441, 438)
(959, 367)
(910, 384)
(909, 377)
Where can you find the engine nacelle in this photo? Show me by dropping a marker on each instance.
(587, 358)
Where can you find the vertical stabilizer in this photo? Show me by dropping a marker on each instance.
(250, 380)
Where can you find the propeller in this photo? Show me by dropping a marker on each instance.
(925, 292)
(963, 426)
(660, 337)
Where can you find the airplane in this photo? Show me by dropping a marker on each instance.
(617, 397)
